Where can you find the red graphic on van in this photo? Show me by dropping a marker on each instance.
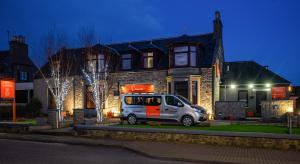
(153, 111)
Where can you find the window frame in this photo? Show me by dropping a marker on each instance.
(188, 52)
(247, 97)
(95, 58)
(124, 59)
(147, 57)
(23, 76)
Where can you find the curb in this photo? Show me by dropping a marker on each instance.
(38, 138)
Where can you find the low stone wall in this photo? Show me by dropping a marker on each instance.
(230, 110)
(196, 137)
(275, 109)
(14, 128)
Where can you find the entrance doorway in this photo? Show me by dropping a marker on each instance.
(181, 88)
(260, 96)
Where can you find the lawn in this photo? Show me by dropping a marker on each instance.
(27, 121)
(231, 128)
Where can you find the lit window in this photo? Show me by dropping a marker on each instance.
(90, 104)
(148, 60)
(126, 61)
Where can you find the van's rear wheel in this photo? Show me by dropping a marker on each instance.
(131, 119)
(187, 121)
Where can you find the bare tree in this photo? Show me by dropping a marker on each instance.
(97, 70)
(56, 72)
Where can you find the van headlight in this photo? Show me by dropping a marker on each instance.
(198, 110)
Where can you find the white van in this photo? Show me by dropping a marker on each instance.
(159, 107)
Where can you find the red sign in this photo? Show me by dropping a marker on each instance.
(278, 92)
(137, 88)
(7, 89)
(218, 72)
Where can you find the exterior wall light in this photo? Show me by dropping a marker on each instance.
(232, 86)
(268, 85)
(251, 85)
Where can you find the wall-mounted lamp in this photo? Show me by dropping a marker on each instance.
(251, 85)
(268, 85)
(232, 86)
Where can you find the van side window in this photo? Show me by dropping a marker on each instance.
(170, 100)
(134, 100)
(152, 100)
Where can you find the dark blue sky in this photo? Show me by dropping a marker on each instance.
(266, 31)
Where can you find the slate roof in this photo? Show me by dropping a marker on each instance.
(245, 72)
(163, 45)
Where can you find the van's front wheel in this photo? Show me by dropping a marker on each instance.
(131, 119)
(187, 121)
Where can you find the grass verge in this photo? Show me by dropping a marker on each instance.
(231, 128)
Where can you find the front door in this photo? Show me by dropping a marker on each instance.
(181, 88)
(260, 96)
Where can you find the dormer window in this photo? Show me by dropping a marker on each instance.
(185, 56)
(96, 62)
(148, 60)
(126, 61)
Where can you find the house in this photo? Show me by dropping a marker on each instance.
(252, 84)
(16, 64)
(189, 65)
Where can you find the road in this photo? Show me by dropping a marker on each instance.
(26, 152)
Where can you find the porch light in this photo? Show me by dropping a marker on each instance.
(232, 86)
(290, 89)
(268, 85)
(251, 85)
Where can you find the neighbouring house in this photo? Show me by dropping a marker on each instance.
(248, 88)
(296, 95)
(16, 64)
(189, 65)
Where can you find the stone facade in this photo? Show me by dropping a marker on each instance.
(230, 110)
(157, 78)
(275, 109)
(206, 89)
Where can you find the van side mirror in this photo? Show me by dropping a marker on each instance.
(179, 104)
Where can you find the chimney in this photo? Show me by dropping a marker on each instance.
(218, 26)
(18, 46)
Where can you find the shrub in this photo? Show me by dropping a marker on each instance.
(34, 107)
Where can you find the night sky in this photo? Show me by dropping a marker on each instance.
(266, 31)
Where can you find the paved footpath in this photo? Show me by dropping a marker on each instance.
(176, 151)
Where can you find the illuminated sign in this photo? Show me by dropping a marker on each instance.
(7, 88)
(278, 92)
(137, 88)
